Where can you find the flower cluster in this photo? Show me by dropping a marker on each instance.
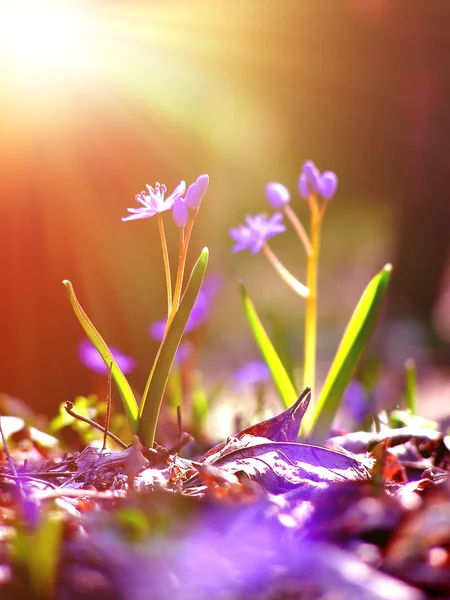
(155, 202)
(312, 182)
(258, 229)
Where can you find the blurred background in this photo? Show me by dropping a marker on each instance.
(99, 98)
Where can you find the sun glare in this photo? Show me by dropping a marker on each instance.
(39, 37)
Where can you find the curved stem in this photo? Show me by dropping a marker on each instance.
(286, 275)
(299, 229)
(311, 301)
(165, 252)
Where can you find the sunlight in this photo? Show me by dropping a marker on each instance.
(42, 37)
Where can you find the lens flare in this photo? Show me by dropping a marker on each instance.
(42, 37)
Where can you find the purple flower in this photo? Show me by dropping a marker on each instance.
(311, 181)
(258, 229)
(196, 191)
(356, 401)
(277, 194)
(253, 372)
(200, 310)
(91, 358)
(154, 201)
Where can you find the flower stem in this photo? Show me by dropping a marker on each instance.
(185, 235)
(166, 263)
(299, 229)
(180, 273)
(285, 275)
(311, 300)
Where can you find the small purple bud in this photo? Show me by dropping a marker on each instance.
(203, 182)
(312, 175)
(328, 184)
(180, 213)
(303, 187)
(277, 194)
(196, 191)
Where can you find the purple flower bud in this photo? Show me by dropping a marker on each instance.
(312, 175)
(277, 194)
(328, 184)
(303, 187)
(203, 182)
(196, 191)
(180, 213)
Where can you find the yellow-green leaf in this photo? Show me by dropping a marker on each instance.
(354, 340)
(159, 375)
(279, 373)
(125, 391)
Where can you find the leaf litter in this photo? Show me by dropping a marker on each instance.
(260, 516)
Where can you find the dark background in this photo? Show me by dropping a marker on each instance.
(245, 90)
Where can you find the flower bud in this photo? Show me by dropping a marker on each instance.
(180, 212)
(328, 184)
(303, 187)
(277, 194)
(312, 175)
(196, 191)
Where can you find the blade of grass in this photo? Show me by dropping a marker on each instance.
(279, 374)
(410, 386)
(159, 375)
(354, 340)
(128, 399)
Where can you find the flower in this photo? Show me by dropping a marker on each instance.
(277, 194)
(253, 372)
(196, 191)
(92, 359)
(258, 229)
(154, 202)
(312, 181)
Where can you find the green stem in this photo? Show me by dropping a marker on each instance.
(285, 275)
(311, 300)
(166, 263)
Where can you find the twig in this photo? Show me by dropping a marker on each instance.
(69, 409)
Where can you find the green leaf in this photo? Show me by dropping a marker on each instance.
(354, 340)
(279, 374)
(128, 399)
(159, 375)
